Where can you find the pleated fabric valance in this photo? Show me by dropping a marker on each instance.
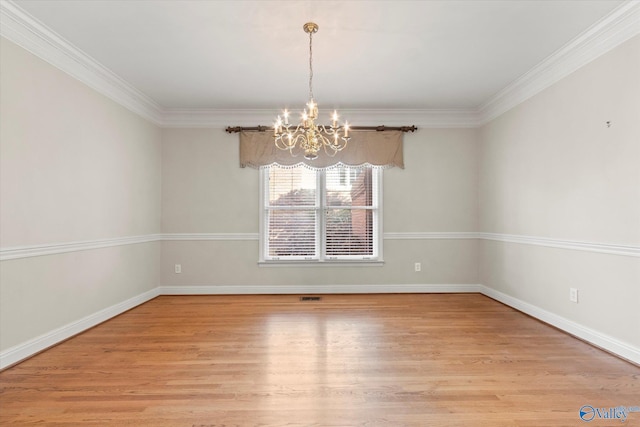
(366, 147)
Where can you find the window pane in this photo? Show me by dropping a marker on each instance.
(349, 187)
(292, 233)
(292, 186)
(349, 232)
(320, 215)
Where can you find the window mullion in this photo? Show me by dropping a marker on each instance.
(264, 215)
(320, 214)
(377, 213)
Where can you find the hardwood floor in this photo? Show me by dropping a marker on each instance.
(347, 360)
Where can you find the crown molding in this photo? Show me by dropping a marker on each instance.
(31, 34)
(609, 32)
(21, 28)
(424, 118)
(215, 118)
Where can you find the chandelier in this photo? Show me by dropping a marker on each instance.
(308, 135)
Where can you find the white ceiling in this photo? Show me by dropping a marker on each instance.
(367, 54)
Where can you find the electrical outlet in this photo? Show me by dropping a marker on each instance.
(417, 266)
(573, 295)
(178, 268)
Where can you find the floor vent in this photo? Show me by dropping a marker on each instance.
(310, 298)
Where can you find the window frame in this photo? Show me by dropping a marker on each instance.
(320, 208)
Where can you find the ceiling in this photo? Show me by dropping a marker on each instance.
(186, 54)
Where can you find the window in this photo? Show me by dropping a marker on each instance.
(331, 215)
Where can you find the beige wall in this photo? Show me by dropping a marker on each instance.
(75, 166)
(205, 191)
(437, 190)
(552, 168)
(41, 294)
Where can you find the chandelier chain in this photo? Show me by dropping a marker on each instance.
(310, 65)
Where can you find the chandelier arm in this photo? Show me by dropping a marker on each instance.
(336, 144)
(299, 129)
(298, 138)
(330, 153)
(330, 149)
(324, 139)
(283, 145)
(330, 131)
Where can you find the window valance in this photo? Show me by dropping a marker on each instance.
(366, 147)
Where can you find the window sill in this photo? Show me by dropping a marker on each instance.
(324, 264)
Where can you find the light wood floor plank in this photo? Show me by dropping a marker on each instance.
(348, 360)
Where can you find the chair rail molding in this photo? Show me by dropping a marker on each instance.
(16, 252)
(603, 248)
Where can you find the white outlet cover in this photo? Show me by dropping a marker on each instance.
(573, 295)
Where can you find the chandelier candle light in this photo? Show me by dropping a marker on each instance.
(308, 135)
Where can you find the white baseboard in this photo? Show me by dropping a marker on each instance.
(315, 289)
(29, 348)
(589, 335)
(22, 351)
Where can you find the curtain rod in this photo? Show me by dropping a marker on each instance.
(412, 128)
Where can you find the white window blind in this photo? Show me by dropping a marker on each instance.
(292, 213)
(320, 215)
